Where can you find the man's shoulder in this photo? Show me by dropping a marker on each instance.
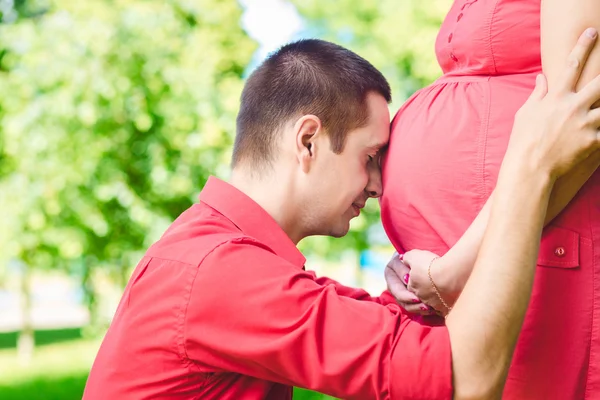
(193, 237)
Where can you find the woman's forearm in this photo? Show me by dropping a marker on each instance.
(453, 269)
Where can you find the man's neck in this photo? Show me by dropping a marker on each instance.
(274, 194)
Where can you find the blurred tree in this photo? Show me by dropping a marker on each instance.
(398, 38)
(113, 115)
(11, 10)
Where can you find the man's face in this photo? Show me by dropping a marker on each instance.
(345, 181)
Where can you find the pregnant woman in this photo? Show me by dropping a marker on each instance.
(490, 52)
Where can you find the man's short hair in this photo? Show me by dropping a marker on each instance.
(305, 77)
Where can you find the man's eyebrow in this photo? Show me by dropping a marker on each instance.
(379, 147)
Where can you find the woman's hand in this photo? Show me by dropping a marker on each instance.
(397, 276)
(408, 281)
(419, 284)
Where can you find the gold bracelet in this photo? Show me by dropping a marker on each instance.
(435, 289)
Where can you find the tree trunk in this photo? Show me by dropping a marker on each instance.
(26, 340)
(360, 281)
(90, 296)
(123, 274)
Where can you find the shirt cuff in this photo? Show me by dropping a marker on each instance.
(386, 298)
(421, 366)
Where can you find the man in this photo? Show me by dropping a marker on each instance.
(221, 306)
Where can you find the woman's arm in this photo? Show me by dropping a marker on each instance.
(561, 24)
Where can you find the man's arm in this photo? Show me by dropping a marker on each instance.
(497, 301)
(272, 321)
(354, 293)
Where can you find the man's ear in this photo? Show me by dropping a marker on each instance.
(307, 130)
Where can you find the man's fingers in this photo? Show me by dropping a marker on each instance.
(577, 60)
(590, 93)
(541, 87)
(397, 286)
(594, 118)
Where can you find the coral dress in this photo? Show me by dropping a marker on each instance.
(446, 147)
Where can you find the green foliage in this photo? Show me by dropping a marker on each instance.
(114, 115)
(118, 112)
(396, 36)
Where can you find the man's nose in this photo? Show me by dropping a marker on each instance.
(374, 186)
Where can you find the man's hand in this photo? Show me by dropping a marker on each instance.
(538, 141)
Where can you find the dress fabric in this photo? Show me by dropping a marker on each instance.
(446, 147)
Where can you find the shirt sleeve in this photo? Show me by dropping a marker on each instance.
(251, 312)
(354, 293)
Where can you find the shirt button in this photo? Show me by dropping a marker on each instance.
(449, 38)
(459, 17)
(559, 251)
(453, 57)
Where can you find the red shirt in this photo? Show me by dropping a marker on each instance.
(222, 308)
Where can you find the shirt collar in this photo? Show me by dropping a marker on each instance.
(250, 218)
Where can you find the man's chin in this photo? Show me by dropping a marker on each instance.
(337, 234)
(340, 231)
(336, 230)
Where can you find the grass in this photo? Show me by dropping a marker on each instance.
(58, 371)
(59, 368)
(8, 340)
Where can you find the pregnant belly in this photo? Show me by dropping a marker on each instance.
(446, 147)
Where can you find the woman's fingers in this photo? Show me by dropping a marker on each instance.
(396, 279)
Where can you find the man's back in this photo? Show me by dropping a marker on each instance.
(144, 353)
